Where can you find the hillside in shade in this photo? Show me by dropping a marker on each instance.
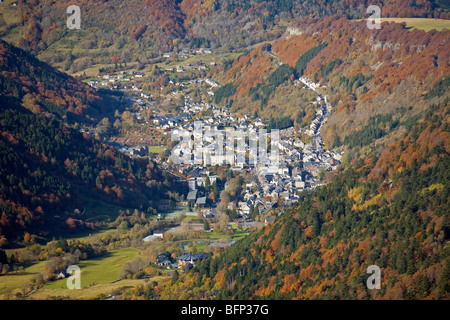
(47, 168)
(42, 88)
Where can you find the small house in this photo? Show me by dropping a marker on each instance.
(201, 202)
(63, 274)
(192, 196)
(189, 258)
(159, 233)
(268, 220)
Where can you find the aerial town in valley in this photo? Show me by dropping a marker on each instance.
(300, 166)
(241, 150)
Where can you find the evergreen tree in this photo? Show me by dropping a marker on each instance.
(175, 276)
(206, 226)
(3, 257)
(207, 183)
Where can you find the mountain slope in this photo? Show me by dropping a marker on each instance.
(365, 74)
(44, 89)
(136, 31)
(47, 168)
(397, 220)
(388, 204)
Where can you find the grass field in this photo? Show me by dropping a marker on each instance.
(420, 23)
(91, 292)
(155, 149)
(237, 234)
(98, 275)
(14, 283)
(91, 235)
(103, 269)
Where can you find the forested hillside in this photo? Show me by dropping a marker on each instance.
(42, 88)
(388, 203)
(374, 79)
(47, 168)
(137, 31)
(389, 210)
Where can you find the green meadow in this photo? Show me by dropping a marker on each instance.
(13, 283)
(103, 269)
(99, 275)
(155, 149)
(424, 24)
(421, 23)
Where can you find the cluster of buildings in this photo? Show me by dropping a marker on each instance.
(186, 52)
(134, 151)
(111, 80)
(168, 121)
(308, 83)
(198, 65)
(186, 260)
(297, 167)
